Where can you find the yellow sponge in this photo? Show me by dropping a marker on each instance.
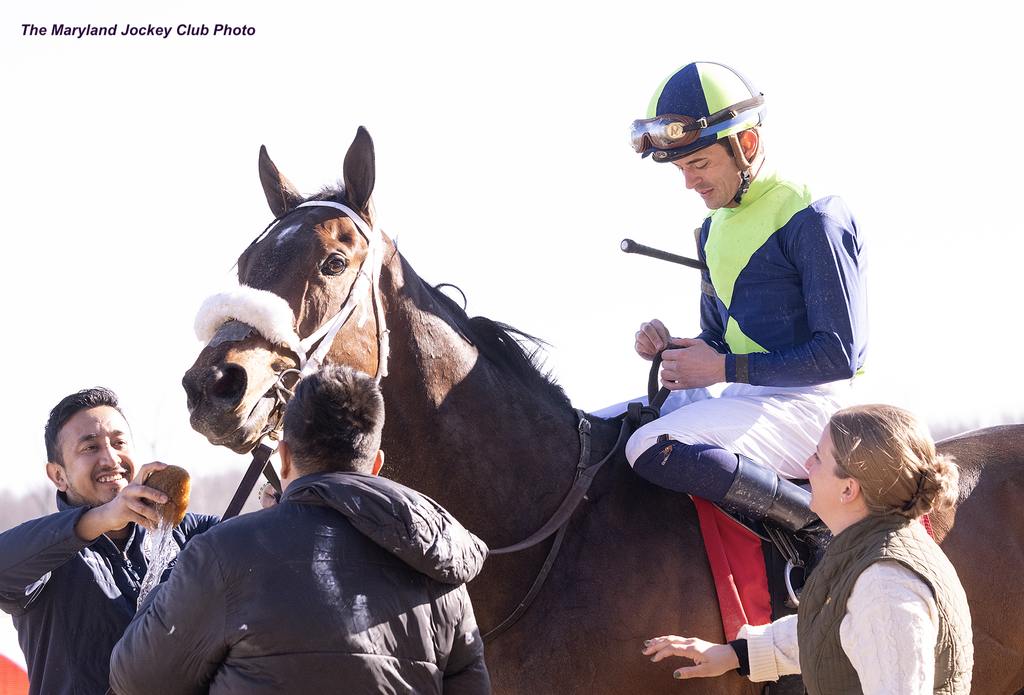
(173, 481)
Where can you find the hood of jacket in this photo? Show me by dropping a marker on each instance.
(409, 525)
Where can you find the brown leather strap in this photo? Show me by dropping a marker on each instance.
(655, 397)
(538, 582)
(260, 463)
(559, 521)
(584, 477)
(735, 110)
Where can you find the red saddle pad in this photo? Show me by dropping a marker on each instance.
(737, 565)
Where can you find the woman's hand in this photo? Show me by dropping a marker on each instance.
(709, 659)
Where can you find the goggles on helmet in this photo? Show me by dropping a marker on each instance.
(673, 131)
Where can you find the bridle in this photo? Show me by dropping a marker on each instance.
(310, 351)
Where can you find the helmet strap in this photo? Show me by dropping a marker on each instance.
(744, 165)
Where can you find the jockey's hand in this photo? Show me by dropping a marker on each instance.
(691, 363)
(709, 659)
(651, 339)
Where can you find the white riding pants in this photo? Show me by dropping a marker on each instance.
(775, 426)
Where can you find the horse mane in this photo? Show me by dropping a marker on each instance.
(335, 194)
(504, 345)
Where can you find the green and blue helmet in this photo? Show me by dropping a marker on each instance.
(696, 106)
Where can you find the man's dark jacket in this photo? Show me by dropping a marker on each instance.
(72, 599)
(352, 584)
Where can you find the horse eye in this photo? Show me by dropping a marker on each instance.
(334, 265)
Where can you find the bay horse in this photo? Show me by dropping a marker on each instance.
(472, 422)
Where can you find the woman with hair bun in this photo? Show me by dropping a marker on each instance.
(884, 611)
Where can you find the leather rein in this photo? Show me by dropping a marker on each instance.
(636, 415)
(558, 523)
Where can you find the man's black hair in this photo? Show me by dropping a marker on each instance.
(334, 421)
(68, 407)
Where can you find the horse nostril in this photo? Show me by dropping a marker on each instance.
(193, 393)
(227, 383)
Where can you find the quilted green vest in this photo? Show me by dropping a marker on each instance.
(825, 666)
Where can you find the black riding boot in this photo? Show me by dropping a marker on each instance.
(760, 493)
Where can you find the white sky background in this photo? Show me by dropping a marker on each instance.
(503, 166)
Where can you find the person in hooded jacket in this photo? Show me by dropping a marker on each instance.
(352, 583)
(71, 580)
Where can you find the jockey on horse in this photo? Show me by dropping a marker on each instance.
(782, 311)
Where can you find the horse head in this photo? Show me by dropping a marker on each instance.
(307, 293)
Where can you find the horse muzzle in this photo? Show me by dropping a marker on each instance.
(224, 408)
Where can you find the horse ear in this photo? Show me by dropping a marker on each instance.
(360, 171)
(281, 194)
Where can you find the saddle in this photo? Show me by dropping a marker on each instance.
(789, 556)
(759, 567)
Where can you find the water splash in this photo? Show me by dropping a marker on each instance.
(159, 549)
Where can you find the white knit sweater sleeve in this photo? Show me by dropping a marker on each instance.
(888, 633)
(890, 629)
(772, 649)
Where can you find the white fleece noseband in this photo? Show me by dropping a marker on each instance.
(271, 316)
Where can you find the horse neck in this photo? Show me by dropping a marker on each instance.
(463, 430)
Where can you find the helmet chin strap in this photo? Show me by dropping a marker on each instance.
(745, 166)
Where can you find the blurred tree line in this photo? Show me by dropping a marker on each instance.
(212, 492)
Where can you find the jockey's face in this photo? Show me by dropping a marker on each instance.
(96, 452)
(713, 174)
